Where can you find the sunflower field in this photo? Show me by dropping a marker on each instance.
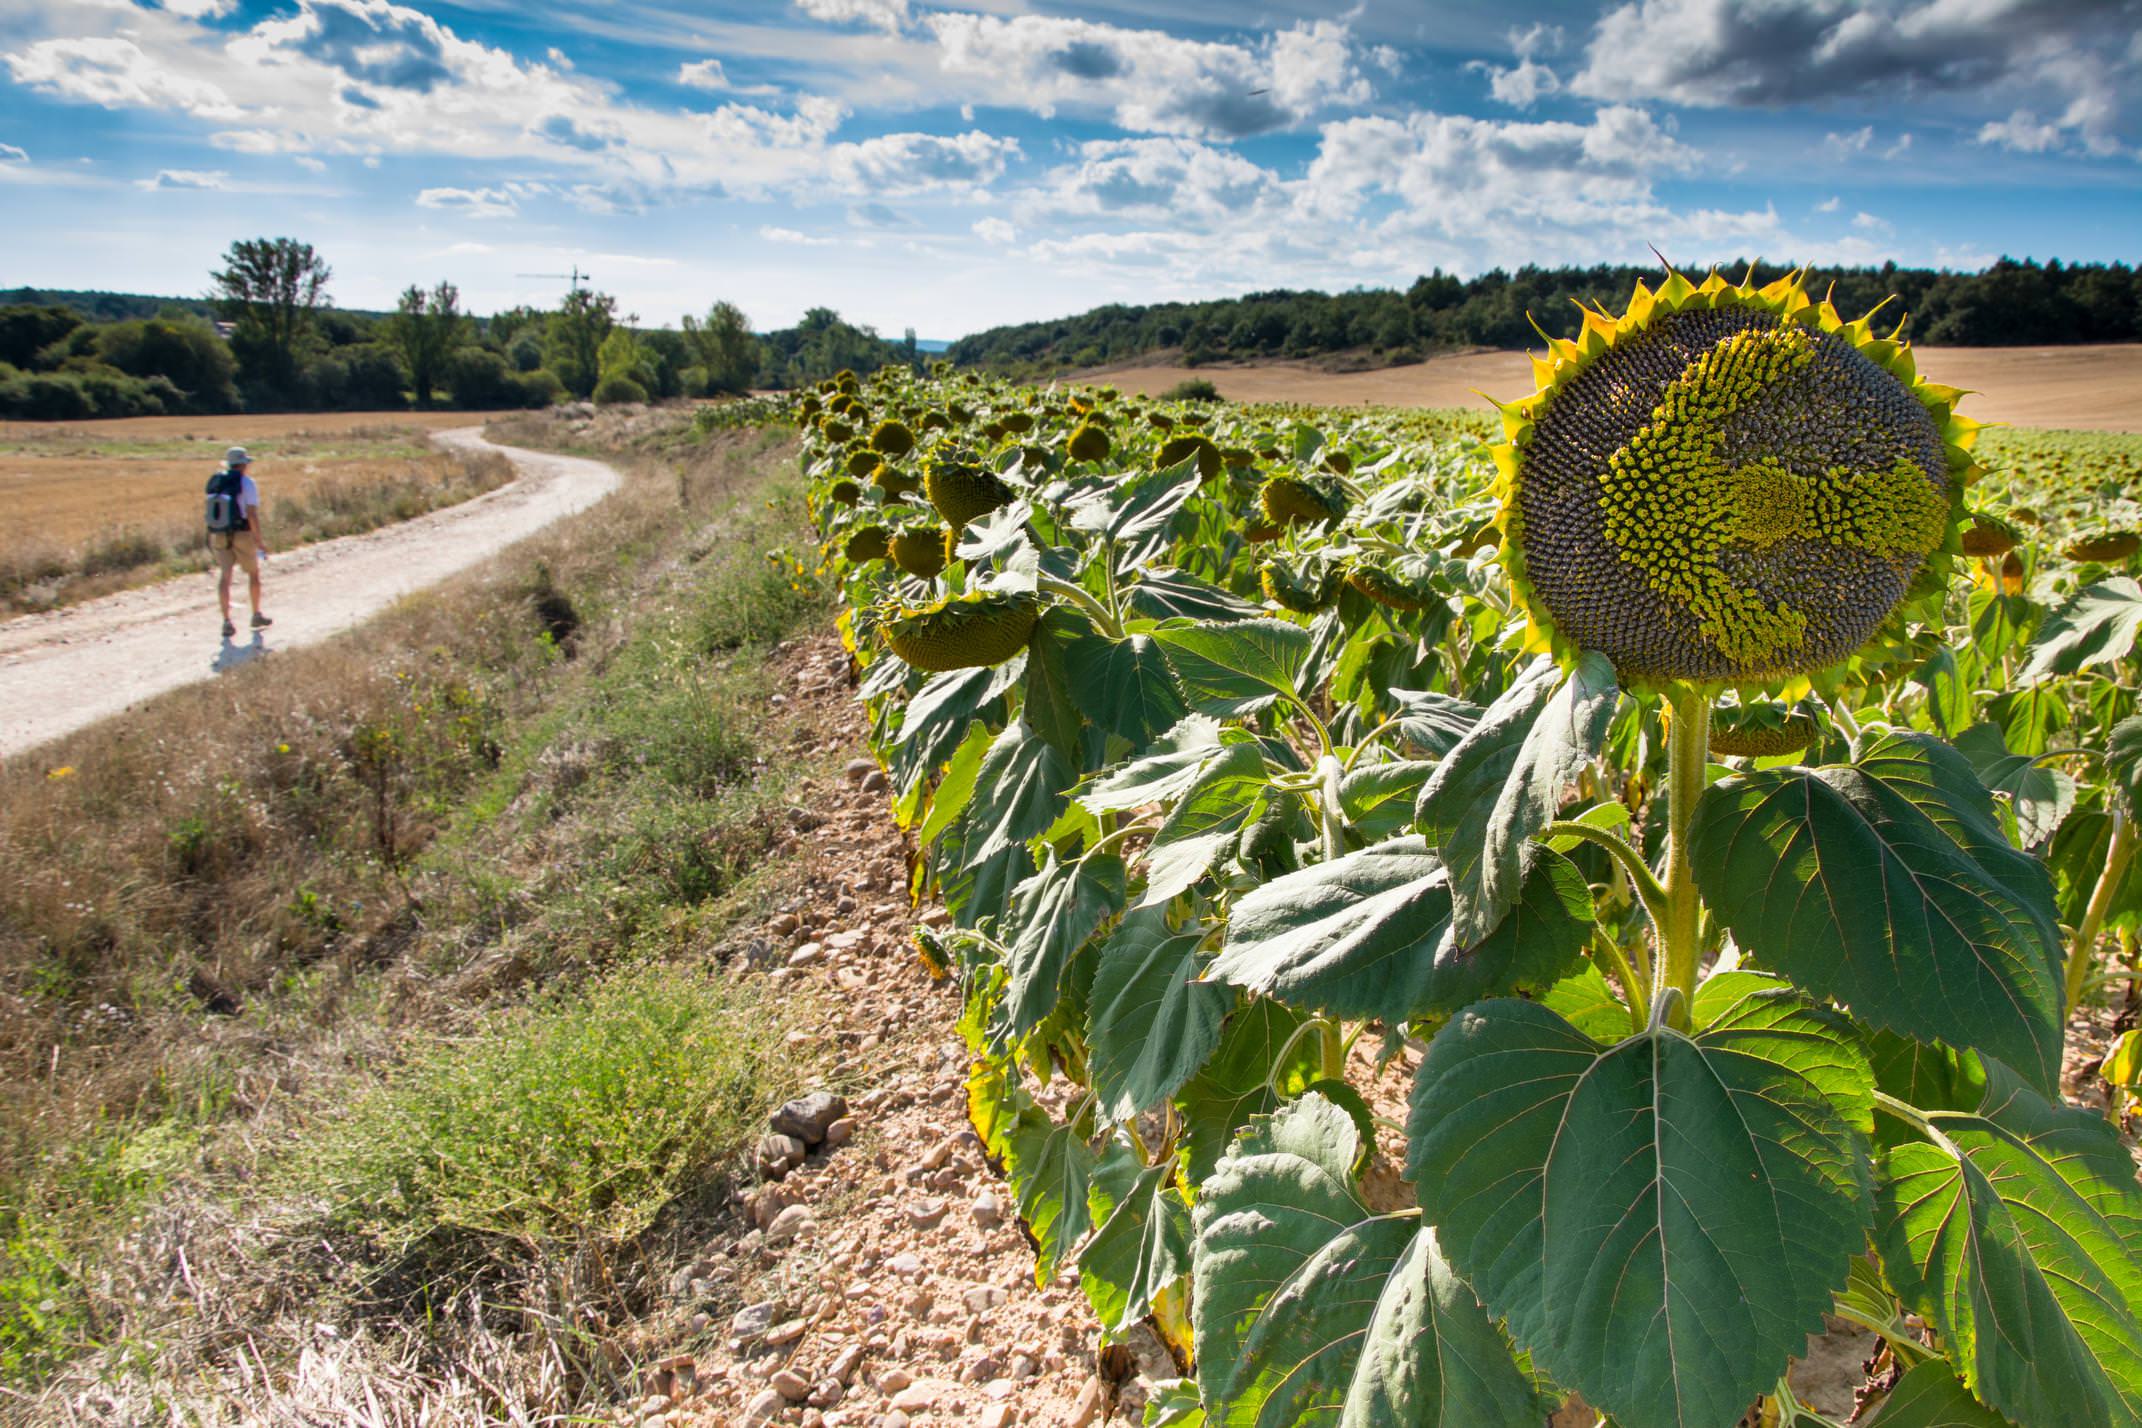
(1451, 919)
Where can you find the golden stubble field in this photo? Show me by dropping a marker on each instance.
(90, 507)
(2085, 388)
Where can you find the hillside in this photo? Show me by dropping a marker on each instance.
(2009, 304)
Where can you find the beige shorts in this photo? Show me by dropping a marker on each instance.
(239, 548)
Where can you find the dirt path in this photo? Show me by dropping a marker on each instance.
(2088, 388)
(72, 667)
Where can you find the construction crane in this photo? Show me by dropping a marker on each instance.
(576, 277)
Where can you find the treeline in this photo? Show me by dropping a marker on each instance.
(2009, 304)
(281, 346)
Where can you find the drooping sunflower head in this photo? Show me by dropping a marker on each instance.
(1728, 485)
(964, 632)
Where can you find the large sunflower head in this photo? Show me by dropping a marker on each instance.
(1728, 485)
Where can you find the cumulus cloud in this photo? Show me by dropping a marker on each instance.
(1868, 223)
(1528, 81)
(1830, 204)
(792, 237)
(2022, 133)
(709, 75)
(470, 202)
(995, 231)
(1190, 180)
(917, 163)
(186, 179)
(888, 15)
(367, 78)
(1727, 52)
(1149, 80)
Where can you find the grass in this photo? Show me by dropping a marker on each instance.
(87, 511)
(375, 995)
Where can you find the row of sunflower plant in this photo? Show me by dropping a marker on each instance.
(1676, 834)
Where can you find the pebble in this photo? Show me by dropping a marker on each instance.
(753, 1320)
(810, 954)
(807, 1117)
(1088, 1406)
(791, 1224)
(786, 1333)
(988, 1210)
(918, 1397)
(997, 1415)
(790, 1385)
(925, 1214)
(777, 1154)
(905, 1265)
(765, 1407)
(894, 1379)
(859, 769)
(840, 1133)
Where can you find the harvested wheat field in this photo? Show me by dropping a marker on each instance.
(2086, 388)
(90, 507)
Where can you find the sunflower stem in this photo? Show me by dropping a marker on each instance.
(1688, 740)
(2117, 856)
(1083, 598)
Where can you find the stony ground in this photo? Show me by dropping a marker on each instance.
(875, 1276)
(883, 1281)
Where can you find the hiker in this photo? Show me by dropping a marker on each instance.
(235, 533)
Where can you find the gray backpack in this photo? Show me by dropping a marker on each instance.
(225, 515)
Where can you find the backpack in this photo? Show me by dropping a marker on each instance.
(225, 516)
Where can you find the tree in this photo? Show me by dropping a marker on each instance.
(724, 347)
(271, 288)
(572, 342)
(425, 329)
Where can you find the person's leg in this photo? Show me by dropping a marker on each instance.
(224, 561)
(251, 553)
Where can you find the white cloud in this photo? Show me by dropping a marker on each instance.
(995, 231)
(1192, 182)
(883, 14)
(1730, 52)
(1538, 38)
(2022, 133)
(200, 9)
(368, 78)
(1519, 86)
(1868, 223)
(1149, 80)
(558, 58)
(1842, 145)
(11, 154)
(310, 164)
(893, 164)
(709, 75)
(774, 234)
(1830, 204)
(186, 179)
(470, 202)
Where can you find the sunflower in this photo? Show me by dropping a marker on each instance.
(965, 631)
(1728, 485)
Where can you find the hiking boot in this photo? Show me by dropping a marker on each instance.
(229, 629)
(260, 621)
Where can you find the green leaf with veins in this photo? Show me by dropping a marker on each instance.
(1434, 723)
(1124, 686)
(1052, 914)
(1019, 790)
(1887, 884)
(1371, 935)
(1661, 1220)
(1235, 668)
(1163, 773)
(1153, 1022)
(2016, 1231)
(1201, 828)
(1505, 781)
(2094, 626)
(1143, 1243)
(1930, 1397)
(2041, 797)
(1312, 1307)
(1258, 1052)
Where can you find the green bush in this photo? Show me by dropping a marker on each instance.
(1191, 389)
(579, 1118)
(616, 391)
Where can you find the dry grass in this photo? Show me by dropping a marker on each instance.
(254, 900)
(90, 508)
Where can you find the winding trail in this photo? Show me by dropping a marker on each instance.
(71, 667)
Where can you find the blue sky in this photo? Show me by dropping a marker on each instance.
(949, 167)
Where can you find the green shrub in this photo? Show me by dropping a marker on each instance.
(1191, 389)
(616, 391)
(579, 1118)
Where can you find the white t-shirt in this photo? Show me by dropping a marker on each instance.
(248, 495)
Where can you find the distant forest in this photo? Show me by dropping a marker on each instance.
(283, 346)
(2009, 304)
